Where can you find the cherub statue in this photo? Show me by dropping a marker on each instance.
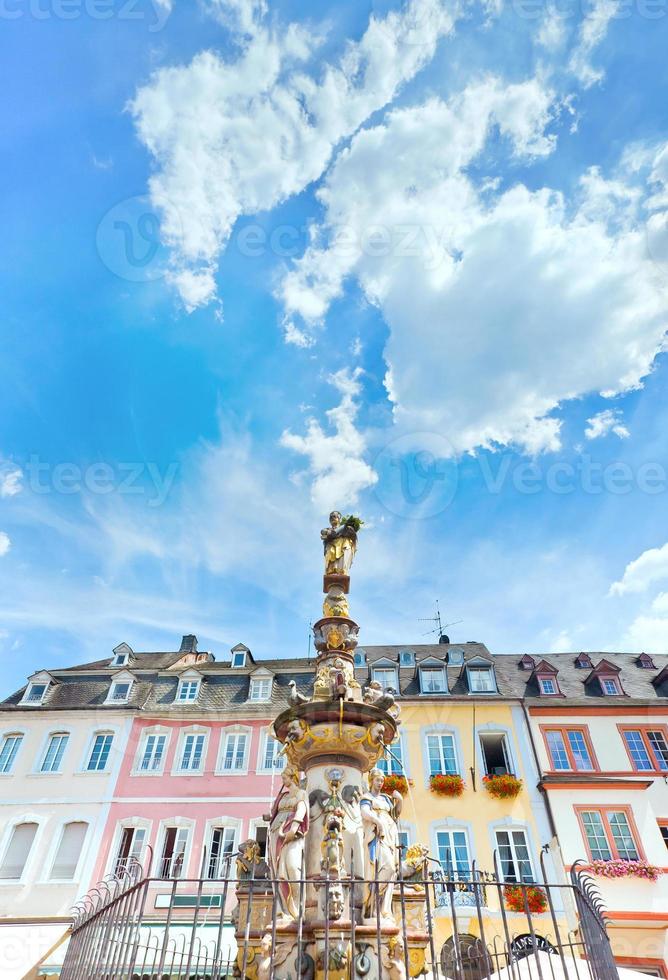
(249, 861)
(340, 543)
(394, 959)
(264, 958)
(332, 847)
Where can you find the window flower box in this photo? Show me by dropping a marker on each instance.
(395, 782)
(624, 869)
(444, 785)
(503, 787)
(536, 899)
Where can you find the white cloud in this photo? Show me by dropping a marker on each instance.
(336, 464)
(604, 422)
(500, 304)
(649, 633)
(5, 543)
(238, 137)
(11, 478)
(650, 567)
(592, 32)
(562, 642)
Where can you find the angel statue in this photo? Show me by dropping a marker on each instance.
(380, 813)
(288, 823)
(340, 543)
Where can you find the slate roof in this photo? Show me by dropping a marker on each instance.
(227, 689)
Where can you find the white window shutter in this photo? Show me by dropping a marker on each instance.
(17, 853)
(69, 851)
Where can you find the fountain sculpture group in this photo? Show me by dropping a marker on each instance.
(338, 901)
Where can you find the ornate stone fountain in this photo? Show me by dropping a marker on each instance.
(344, 905)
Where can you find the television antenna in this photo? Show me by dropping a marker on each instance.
(440, 627)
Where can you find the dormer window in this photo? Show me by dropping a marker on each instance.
(610, 685)
(545, 677)
(360, 658)
(122, 654)
(36, 691)
(583, 660)
(646, 662)
(386, 677)
(455, 658)
(547, 685)
(432, 678)
(260, 689)
(188, 691)
(121, 688)
(527, 663)
(480, 677)
(406, 658)
(120, 692)
(239, 655)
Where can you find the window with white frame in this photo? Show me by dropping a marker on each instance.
(272, 758)
(386, 677)
(54, 753)
(547, 685)
(18, 850)
(481, 680)
(432, 680)
(153, 753)
(393, 760)
(514, 856)
(223, 846)
(67, 856)
(442, 755)
(260, 688)
(119, 692)
(99, 753)
(9, 750)
(173, 855)
(610, 685)
(239, 658)
(453, 853)
(188, 691)
(233, 755)
(120, 659)
(34, 693)
(192, 752)
(130, 848)
(407, 658)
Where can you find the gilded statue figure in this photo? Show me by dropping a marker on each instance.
(380, 813)
(288, 824)
(340, 543)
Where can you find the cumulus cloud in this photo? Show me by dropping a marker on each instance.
(11, 479)
(5, 543)
(649, 630)
(650, 567)
(592, 31)
(233, 137)
(335, 460)
(604, 422)
(542, 297)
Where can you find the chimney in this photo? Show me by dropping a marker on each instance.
(189, 644)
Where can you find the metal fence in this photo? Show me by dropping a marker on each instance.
(132, 927)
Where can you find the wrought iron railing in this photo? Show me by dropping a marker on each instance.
(132, 927)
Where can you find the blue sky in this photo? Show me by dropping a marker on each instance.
(263, 259)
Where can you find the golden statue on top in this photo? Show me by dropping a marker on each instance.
(340, 543)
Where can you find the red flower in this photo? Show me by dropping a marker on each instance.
(395, 781)
(503, 787)
(536, 899)
(446, 785)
